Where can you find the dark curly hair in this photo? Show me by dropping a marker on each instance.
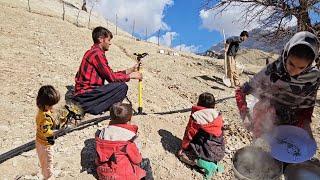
(47, 96)
(206, 100)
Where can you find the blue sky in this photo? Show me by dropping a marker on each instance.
(183, 17)
(191, 28)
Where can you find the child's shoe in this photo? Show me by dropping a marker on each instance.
(184, 158)
(210, 168)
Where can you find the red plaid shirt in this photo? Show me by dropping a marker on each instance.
(94, 69)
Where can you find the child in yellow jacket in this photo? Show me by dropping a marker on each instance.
(46, 99)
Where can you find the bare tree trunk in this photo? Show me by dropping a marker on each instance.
(304, 22)
(303, 18)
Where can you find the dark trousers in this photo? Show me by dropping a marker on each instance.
(145, 165)
(102, 98)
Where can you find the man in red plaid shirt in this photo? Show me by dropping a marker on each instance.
(91, 92)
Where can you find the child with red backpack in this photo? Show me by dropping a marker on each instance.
(203, 142)
(118, 156)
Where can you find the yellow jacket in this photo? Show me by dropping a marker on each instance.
(45, 123)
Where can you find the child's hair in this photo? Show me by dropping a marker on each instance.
(302, 51)
(206, 100)
(244, 33)
(100, 31)
(47, 96)
(120, 113)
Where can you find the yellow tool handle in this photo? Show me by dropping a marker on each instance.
(140, 91)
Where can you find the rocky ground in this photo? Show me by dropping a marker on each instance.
(39, 48)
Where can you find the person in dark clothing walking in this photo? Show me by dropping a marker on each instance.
(232, 47)
(91, 92)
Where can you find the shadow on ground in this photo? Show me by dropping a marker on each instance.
(170, 142)
(213, 79)
(88, 155)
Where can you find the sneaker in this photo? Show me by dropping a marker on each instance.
(210, 168)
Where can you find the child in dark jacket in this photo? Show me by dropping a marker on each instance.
(118, 154)
(203, 143)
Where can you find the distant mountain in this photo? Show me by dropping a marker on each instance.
(256, 42)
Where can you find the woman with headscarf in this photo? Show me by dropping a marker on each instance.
(286, 89)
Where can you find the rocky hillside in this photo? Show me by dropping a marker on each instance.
(256, 42)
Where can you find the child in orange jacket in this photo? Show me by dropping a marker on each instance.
(203, 141)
